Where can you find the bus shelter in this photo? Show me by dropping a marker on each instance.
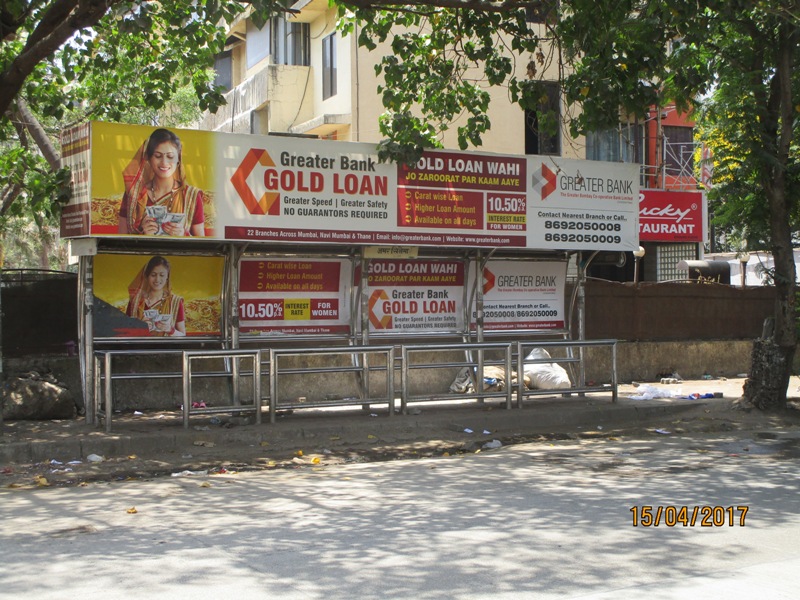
(290, 268)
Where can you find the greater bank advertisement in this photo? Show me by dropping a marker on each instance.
(522, 294)
(133, 180)
(417, 295)
(280, 296)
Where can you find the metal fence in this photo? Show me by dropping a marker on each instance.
(366, 363)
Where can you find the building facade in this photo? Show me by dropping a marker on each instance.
(299, 76)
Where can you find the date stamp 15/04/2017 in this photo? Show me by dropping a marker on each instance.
(689, 516)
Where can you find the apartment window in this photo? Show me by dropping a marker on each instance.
(259, 43)
(633, 143)
(543, 124)
(623, 144)
(603, 145)
(223, 70)
(297, 44)
(679, 151)
(329, 66)
(289, 42)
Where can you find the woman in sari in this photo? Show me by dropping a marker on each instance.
(152, 300)
(157, 199)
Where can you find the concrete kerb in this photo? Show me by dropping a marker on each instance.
(29, 442)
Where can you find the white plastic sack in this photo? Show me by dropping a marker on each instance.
(651, 392)
(545, 376)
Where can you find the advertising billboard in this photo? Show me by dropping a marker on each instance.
(135, 180)
(523, 295)
(416, 295)
(157, 295)
(672, 216)
(280, 296)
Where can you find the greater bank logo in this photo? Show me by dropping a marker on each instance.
(269, 202)
(385, 321)
(488, 280)
(544, 183)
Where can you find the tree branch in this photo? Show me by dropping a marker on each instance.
(8, 196)
(62, 20)
(39, 135)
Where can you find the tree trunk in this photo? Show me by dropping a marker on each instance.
(765, 387)
(773, 354)
(44, 241)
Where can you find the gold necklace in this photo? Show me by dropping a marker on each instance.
(158, 302)
(160, 199)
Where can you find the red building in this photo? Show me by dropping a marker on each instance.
(673, 215)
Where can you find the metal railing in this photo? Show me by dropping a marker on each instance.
(364, 362)
(480, 392)
(579, 387)
(236, 373)
(105, 376)
(362, 371)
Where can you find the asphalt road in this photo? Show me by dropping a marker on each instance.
(538, 520)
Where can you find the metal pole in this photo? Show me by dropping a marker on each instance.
(509, 387)
(481, 263)
(520, 374)
(390, 379)
(581, 316)
(233, 328)
(404, 380)
(108, 390)
(257, 385)
(86, 338)
(363, 377)
(273, 385)
(187, 394)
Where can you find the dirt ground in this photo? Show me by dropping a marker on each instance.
(719, 416)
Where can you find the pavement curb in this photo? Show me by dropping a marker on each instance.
(562, 416)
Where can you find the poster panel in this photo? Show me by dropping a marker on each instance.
(415, 295)
(522, 295)
(671, 216)
(75, 154)
(470, 199)
(157, 295)
(282, 296)
(152, 182)
(583, 205)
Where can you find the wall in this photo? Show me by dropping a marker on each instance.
(689, 329)
(649, 361)
(675, 311)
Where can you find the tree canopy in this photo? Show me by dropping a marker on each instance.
(612, 58)
(737, 61)
(64, 61)
(615, 59)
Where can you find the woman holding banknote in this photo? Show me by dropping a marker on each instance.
(152, 300)
(157, 199)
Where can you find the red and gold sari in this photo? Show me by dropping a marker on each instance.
(184, 199)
